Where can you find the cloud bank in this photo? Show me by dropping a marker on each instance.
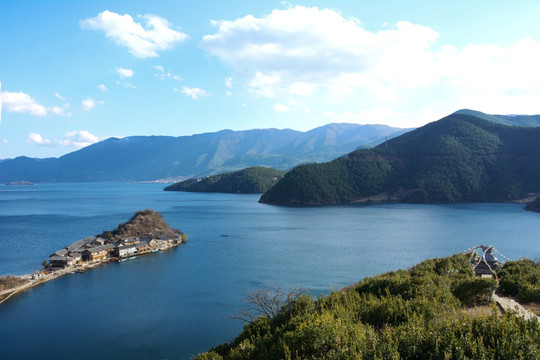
(303, 51)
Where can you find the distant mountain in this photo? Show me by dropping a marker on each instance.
(458, 158)
(253, 180)
(511, 120)
(144, 158)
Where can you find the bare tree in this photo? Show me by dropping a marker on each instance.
(266, 302)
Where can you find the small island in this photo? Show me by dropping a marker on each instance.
(19, 183)
(146, 232)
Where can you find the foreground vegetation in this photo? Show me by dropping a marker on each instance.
(415, 314)
(253, 180)
(456, 159)
(521, 279)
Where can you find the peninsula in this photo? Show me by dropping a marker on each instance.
(146, 232)
(253, 180)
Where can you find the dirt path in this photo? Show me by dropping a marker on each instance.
(6, 294)
(511, 305)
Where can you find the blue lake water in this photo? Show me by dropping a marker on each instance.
(174, 304)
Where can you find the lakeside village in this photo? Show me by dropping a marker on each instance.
(146, 232)
(94, 250)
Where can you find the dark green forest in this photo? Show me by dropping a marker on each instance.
(460, 158)
(426, 312)
(253, 180)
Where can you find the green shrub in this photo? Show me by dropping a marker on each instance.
(475, 291)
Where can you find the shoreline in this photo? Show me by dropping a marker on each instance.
(44, 277)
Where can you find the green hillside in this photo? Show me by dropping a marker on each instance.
(426, 312)
(253, 180)
(458, 158)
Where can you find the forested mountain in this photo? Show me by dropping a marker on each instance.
(253, 180)
(458, 158)
(140, 158)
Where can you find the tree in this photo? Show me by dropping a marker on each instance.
(266, 302)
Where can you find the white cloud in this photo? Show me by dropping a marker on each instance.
(58, 96)
(60, 111)
(78, 139)
(20, 102)
(307, 51)
(301, 49)
(5, 141)
(90, 103)
(194, 93)
(281, 107)
(229, 82)
(142, 40)
(166, 74)
(102, 87)
(124, 73)
(37, 139)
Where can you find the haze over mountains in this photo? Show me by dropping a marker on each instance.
(147, 158)
(458, 158)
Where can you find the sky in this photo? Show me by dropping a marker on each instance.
(73, 73)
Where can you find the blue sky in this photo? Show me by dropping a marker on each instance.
(73, 73)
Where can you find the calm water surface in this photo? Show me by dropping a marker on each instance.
(174, 304)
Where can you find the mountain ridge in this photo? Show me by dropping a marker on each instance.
(146, 158)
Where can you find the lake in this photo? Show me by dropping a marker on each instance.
(174, 304)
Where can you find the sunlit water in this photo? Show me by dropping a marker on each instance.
(176, 303)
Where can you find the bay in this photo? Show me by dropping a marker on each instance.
(174, 304)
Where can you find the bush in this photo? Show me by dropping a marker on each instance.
(475, 291)
(521, 279)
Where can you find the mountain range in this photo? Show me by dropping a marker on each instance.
(146, 158)
(462, 157)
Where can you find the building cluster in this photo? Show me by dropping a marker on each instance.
(94, 249)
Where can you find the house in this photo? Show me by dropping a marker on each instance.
(131, 240)
(165, 242)
(62, 252)
(62, 261)
(80, 244)
(145, 246)
(124, 251)
(98, 241)
(97, 253)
